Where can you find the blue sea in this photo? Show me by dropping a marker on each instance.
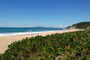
(8, 31)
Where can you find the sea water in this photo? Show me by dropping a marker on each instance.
(11, 31)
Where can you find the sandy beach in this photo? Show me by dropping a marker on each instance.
(7, 40)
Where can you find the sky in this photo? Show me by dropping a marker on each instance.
(47, 13)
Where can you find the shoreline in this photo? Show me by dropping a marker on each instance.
(25, 33)
(7, 40)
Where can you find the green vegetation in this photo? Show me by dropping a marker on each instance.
(66, 46)
(81, 25)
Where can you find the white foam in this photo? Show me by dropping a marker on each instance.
(22, 33)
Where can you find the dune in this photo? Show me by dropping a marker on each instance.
(7, 40)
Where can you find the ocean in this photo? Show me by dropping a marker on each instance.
(9, 31)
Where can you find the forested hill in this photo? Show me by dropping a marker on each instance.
(81, 25)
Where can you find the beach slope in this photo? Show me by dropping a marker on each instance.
(7, 40)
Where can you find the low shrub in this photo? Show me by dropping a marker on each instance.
(66, 46)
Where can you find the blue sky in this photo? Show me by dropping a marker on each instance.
(28, 13)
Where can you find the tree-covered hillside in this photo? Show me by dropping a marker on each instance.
(66, 46)
(81, 25)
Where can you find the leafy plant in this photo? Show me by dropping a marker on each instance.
(66, 46)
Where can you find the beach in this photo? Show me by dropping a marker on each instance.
(7, 40)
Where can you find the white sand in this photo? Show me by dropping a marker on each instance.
(7, 40)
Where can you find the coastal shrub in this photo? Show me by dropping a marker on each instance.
(66, 46)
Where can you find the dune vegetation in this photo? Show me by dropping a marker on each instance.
(66, 46)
